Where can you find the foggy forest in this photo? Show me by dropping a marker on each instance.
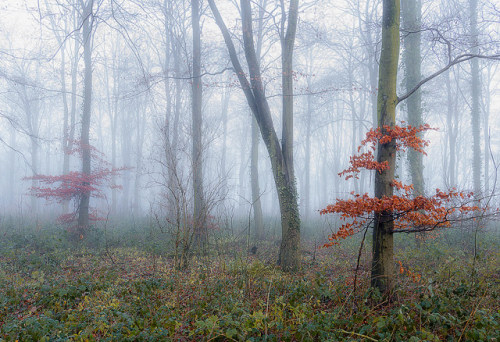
(249, 170)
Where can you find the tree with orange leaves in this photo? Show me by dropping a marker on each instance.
(407, 211)
(386, 209)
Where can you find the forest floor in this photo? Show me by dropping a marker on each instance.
(55, 290)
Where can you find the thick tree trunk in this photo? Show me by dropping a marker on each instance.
(287, 46)
(411, 10)
(83, 208)
(289, 257)
(199, 205)
(383, 247)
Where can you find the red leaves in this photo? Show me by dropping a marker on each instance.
(63, 188)
(404, 137)
(410, 213)
(414, 276)
(366, 161)
(72, 186)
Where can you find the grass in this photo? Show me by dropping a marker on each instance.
(122, 287)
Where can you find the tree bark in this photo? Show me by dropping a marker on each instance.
(289, 257)
(290, 242)
(382, 272)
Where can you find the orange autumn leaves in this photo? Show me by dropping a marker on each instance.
(410, 213)
(416, 277)
(403, 137)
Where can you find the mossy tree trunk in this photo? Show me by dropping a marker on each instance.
(382, 272)
(281, 163)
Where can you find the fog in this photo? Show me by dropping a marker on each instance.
(141, 104)
(249, 170)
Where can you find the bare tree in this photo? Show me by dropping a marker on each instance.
(87, 28)
(199, 206)
(279, 153)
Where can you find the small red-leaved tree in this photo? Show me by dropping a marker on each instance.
(70, 187)
(410, 212)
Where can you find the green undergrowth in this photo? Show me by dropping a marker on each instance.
(52, 291)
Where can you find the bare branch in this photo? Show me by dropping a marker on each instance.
(457, 60)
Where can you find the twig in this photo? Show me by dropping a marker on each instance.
(359, 258)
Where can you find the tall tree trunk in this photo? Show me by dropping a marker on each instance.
(475, 110)
(225, 108)
(199, 205)
(383, 246)
(241, 172)
(31, 111)
(367, 31)
(287, 47)
(65, 141)
(307, 192)
(169, 153)
(171, 141)
(452, 134)
(411, 10)
(34, 168)
(354, 118)
(254, 175)
(83, 208)
(254, 156)
(486, 133)
(112, 106)
(289, 257)
(68, 118)
(141, 126)
(12, 167)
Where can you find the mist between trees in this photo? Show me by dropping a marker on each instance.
(210, 118)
